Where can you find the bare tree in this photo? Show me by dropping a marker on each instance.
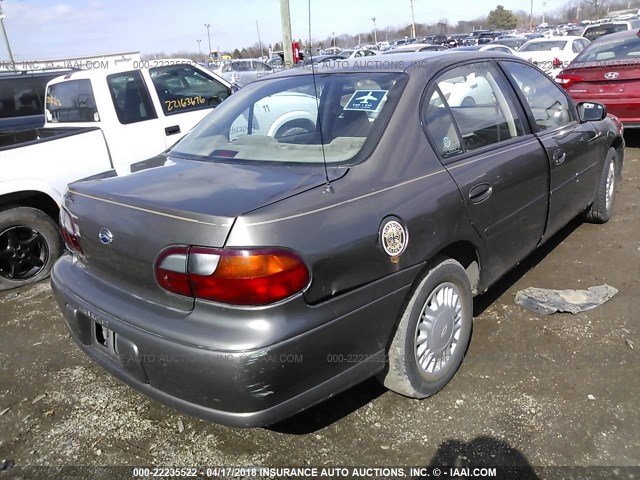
(596, 6)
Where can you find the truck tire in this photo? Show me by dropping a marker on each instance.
(431, 339)
(601, 210)
(30, 243)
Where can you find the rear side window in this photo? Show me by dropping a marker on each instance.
(184, 88)
(72, 102)
(130, 97)
(481, 106)
(440, 126)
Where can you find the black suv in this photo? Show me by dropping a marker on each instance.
(22, 97)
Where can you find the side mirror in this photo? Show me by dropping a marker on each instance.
(234, 88)
(591, 112)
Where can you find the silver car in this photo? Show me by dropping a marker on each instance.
(242, 72)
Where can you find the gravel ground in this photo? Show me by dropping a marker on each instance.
(538, 390)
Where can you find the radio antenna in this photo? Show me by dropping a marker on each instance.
(328, 188)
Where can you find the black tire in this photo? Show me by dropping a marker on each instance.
(37, 236)
(403, 373)
(295, 127)
(601, 210)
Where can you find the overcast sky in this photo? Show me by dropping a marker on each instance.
(41, 29)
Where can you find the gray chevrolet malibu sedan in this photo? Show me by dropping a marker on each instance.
(325, 226)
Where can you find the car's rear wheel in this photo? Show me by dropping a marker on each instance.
(431, 339)
(30, 243)
(601, 210)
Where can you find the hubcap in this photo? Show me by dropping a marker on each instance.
(611, 180)
(23, 253)
(438, 328)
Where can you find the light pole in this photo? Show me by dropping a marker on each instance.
(207, 25)
(543, 5)
(6, 38)
(413, 20)
(375, 31)
(285, 21)
(531, 17)
(199, 49)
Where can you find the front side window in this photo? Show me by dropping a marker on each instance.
(184, 88)
(130, 97)
(481, 107)
(71, 101)
(548, 104)
(292, 120)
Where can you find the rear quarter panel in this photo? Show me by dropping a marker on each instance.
(337, 232)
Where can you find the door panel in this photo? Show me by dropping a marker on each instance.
(574, 160)
(501, 171)
(137, 134)
(506, 194)
(572, 148)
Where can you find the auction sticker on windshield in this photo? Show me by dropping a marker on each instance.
(366, 100)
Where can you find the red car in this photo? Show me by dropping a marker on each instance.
(608, 72)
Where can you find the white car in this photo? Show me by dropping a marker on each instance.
(278, 116)
(552, 54)
(361, 52)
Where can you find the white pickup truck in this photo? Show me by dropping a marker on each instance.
(97, 124)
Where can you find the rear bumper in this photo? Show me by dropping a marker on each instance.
(245, 388)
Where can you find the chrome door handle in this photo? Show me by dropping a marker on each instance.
(559, 157)
(479, 193)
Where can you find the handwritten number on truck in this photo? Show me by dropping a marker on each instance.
(184, 103)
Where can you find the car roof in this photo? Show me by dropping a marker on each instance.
(36, 73)
(556, 39)
(400, 62)
(468, 48)
(127, 67)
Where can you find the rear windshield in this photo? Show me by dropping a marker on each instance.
(615, 49)
(292, 120)
(543, 46)
(22, 97)
(598, 31)
(71, 101)
(237, 67)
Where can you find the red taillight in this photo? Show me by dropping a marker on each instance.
(70, 231)
(171, 271)
(237, 277)
(557, 62)
(567, 80)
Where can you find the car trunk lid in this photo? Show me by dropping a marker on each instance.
(126, 222)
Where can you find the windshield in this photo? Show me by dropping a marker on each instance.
(279, 120)
(543, 46)
(616, 49)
